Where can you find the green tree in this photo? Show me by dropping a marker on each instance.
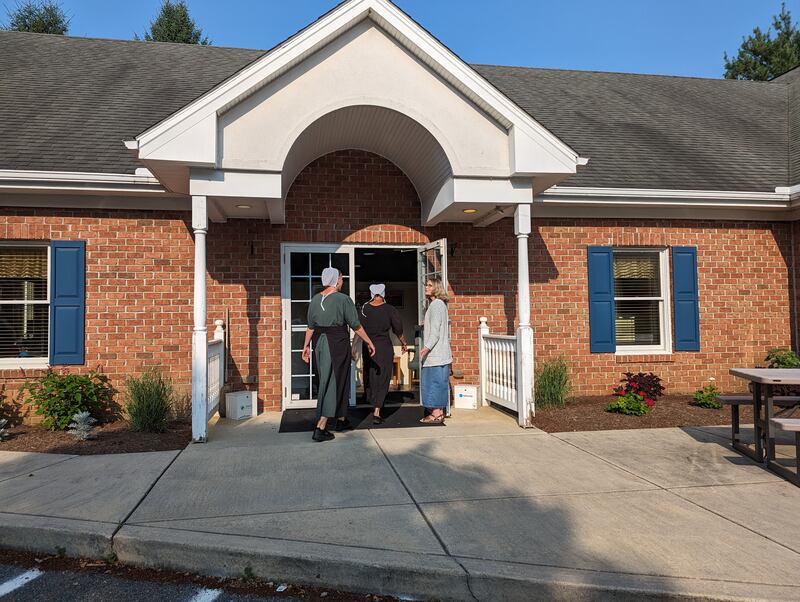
(38, 16)
(173, 24)
(762, 56)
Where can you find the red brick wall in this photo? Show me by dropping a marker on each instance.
(745, 297)
(138, 287)
(139, 279)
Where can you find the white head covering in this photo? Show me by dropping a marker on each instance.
(330, 277)
(377, 289)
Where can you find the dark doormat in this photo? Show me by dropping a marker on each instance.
(302, 421)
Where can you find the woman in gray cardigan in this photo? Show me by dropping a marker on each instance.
(435, 354)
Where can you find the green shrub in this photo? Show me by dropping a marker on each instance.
(707, 397)
(552, 384)
(782, 357)
(150, 398)
(630, 403)
(59, 396)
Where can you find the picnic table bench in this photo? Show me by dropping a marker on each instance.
(791, 425)
(764, 380)
(784, 401)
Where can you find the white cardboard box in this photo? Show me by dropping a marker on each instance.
(465, 397)
(240, 405)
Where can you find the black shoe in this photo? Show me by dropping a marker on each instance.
(322, 435)
(377, 419)
(344, 425)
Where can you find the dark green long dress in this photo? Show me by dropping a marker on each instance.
(329, 317)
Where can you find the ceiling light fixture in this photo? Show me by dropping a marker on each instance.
(244, 206)
(369, 253)
(470, 210)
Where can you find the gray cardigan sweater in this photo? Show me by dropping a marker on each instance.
(437, 335)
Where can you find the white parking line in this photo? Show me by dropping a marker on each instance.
(17, 582)
(207, 595)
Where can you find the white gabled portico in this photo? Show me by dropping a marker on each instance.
(364, 76)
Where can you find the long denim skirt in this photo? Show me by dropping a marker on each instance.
(435, 386)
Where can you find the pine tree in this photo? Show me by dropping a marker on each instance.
(762, 56)
(38, 16)
(173, 24)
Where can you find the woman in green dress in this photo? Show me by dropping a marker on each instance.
(329, 315)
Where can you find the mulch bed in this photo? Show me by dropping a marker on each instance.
(112, 438)
(588, 414)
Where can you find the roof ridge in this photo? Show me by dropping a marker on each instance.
(597, 71)
(55, 36)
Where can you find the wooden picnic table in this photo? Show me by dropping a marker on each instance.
(764, 379)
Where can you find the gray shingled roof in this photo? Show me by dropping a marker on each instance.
(792, 81)
(67, 104)
(651, 131)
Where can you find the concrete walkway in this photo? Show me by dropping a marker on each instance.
(478, 509)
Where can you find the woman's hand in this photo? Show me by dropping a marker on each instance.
(404, 348)
(306, 354)
(423, 353)
(371, 348)
(354, 353)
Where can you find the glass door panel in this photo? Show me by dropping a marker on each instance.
(431, 262)
(301, 283)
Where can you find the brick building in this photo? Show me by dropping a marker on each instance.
(146, 188)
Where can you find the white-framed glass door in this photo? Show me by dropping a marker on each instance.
(431, 261)
(301, 269)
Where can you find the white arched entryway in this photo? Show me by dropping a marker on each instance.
(363, 76)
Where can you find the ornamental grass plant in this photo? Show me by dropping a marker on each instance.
(150, 398)
(552, 384)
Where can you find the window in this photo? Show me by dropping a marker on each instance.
(24, 304)
(640, 301)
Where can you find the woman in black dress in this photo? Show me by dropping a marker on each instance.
(378, 318)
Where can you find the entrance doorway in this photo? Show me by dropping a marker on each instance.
(404, 270)
(397, 269)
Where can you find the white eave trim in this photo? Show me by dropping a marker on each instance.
(792, 191)
(405, 30)
(655, 196)
(72, 181)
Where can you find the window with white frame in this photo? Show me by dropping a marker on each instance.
(24, 303)
(640, 300)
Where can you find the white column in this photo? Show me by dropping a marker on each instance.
(483, 330)
(199, 333)
(522, 229)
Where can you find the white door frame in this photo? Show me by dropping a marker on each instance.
(286, 310)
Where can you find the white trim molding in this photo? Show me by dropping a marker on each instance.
(13, 180)
(726, 198)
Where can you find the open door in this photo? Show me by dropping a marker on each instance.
(301, 268)
(432, 261)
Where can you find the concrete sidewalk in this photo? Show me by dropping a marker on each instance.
(478, 509)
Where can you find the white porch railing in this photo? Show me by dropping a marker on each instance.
(216, 369)
(503, 379)
(500, 382)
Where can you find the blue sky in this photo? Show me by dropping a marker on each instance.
(671, 37)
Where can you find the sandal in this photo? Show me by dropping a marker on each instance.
(431, 419)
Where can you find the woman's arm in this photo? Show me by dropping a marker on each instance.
(306, 348)
(433, 332)
(365, 337)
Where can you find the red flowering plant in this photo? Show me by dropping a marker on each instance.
(637, 394)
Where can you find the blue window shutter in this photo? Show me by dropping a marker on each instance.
(602, 329)
(685, 299)
(67, 301)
